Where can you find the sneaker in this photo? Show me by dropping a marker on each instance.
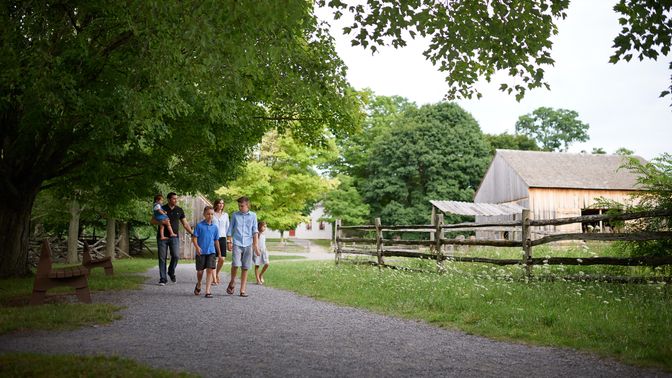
(173, 279)
(162, 284)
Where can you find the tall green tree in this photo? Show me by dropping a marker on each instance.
(435, 152)
(380, 114)
(508, 141)
(345, 203)
(472, 40)
(88, 87)
(281, 180)
(553, 129)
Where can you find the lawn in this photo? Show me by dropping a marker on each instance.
(58, 313)
(33, 365)
(630, 322)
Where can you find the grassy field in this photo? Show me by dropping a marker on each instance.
(33, 365)
(626, 321)
(59, 313)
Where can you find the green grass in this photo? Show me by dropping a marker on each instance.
(16, 315)
(289, 246)
(628, 322)
(33, 365)
(324, 243)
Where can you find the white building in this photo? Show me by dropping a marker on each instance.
(313, 229)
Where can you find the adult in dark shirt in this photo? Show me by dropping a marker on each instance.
(176, 216)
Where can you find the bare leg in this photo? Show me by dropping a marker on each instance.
(208, 280)
(166, 222)
(243, 280)
(256, 274)
(161, 232)
(220, 264)
(261, 275)
(199, 277)
(232, 282)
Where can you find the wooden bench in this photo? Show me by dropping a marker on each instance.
(89, 263)
(46, 278)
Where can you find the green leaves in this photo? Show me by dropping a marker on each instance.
(468, 39)
(553, 129)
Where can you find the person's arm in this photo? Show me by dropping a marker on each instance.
(219, 250)
(255, 237)
(255, 244)
(229, 234)
(194, 240)
(187, 226)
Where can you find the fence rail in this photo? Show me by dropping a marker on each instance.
(380, 247)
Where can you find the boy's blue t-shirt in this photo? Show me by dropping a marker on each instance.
(206, 234)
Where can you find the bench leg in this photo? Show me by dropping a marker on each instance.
(37, 298)
(83, 294)
(109, 270)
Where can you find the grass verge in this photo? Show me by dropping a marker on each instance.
(628, 322)
(58, 313)
(33, 365)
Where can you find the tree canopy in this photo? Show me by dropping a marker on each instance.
(170, 91)
(473, 40)
(553, 129)
(508, 141)
(281, 180)
(435, 152)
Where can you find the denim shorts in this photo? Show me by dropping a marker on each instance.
(241, 256)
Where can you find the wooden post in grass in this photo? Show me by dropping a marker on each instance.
(438, 237)
(527, 242)
(337, 242)
(379, 243)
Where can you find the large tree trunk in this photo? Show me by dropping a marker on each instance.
(110, 238)
(73, 231)
(14, 233)
(124, 238)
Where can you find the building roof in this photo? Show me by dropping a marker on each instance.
(470, 208)
(576, 171)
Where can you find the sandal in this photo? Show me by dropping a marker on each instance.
(197, 289)
(243, 294)
(208, 295)
(229, 290)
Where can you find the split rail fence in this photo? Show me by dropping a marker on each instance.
(391, 247)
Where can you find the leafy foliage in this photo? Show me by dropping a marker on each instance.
(435, 152)
(469, 40)
(345, 203)
(112, 98)
(646, 31)
(281, 180)
(655, 180)
(510, 142)
(553, 129)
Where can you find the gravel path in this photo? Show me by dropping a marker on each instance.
(278, 333)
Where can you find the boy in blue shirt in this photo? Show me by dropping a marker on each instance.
(206, 243)
(243, 242)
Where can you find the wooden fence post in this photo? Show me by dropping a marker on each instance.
(527, 242)
(337, 241)
(379, 243)
(438, 236)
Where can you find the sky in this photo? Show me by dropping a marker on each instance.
(619, 101)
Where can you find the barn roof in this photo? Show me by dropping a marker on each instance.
(470, 208)
(576, 171)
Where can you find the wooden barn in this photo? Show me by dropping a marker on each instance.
(555, 185)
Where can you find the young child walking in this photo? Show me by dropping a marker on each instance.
(262, 259)
(206, 243)
(162, 218)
